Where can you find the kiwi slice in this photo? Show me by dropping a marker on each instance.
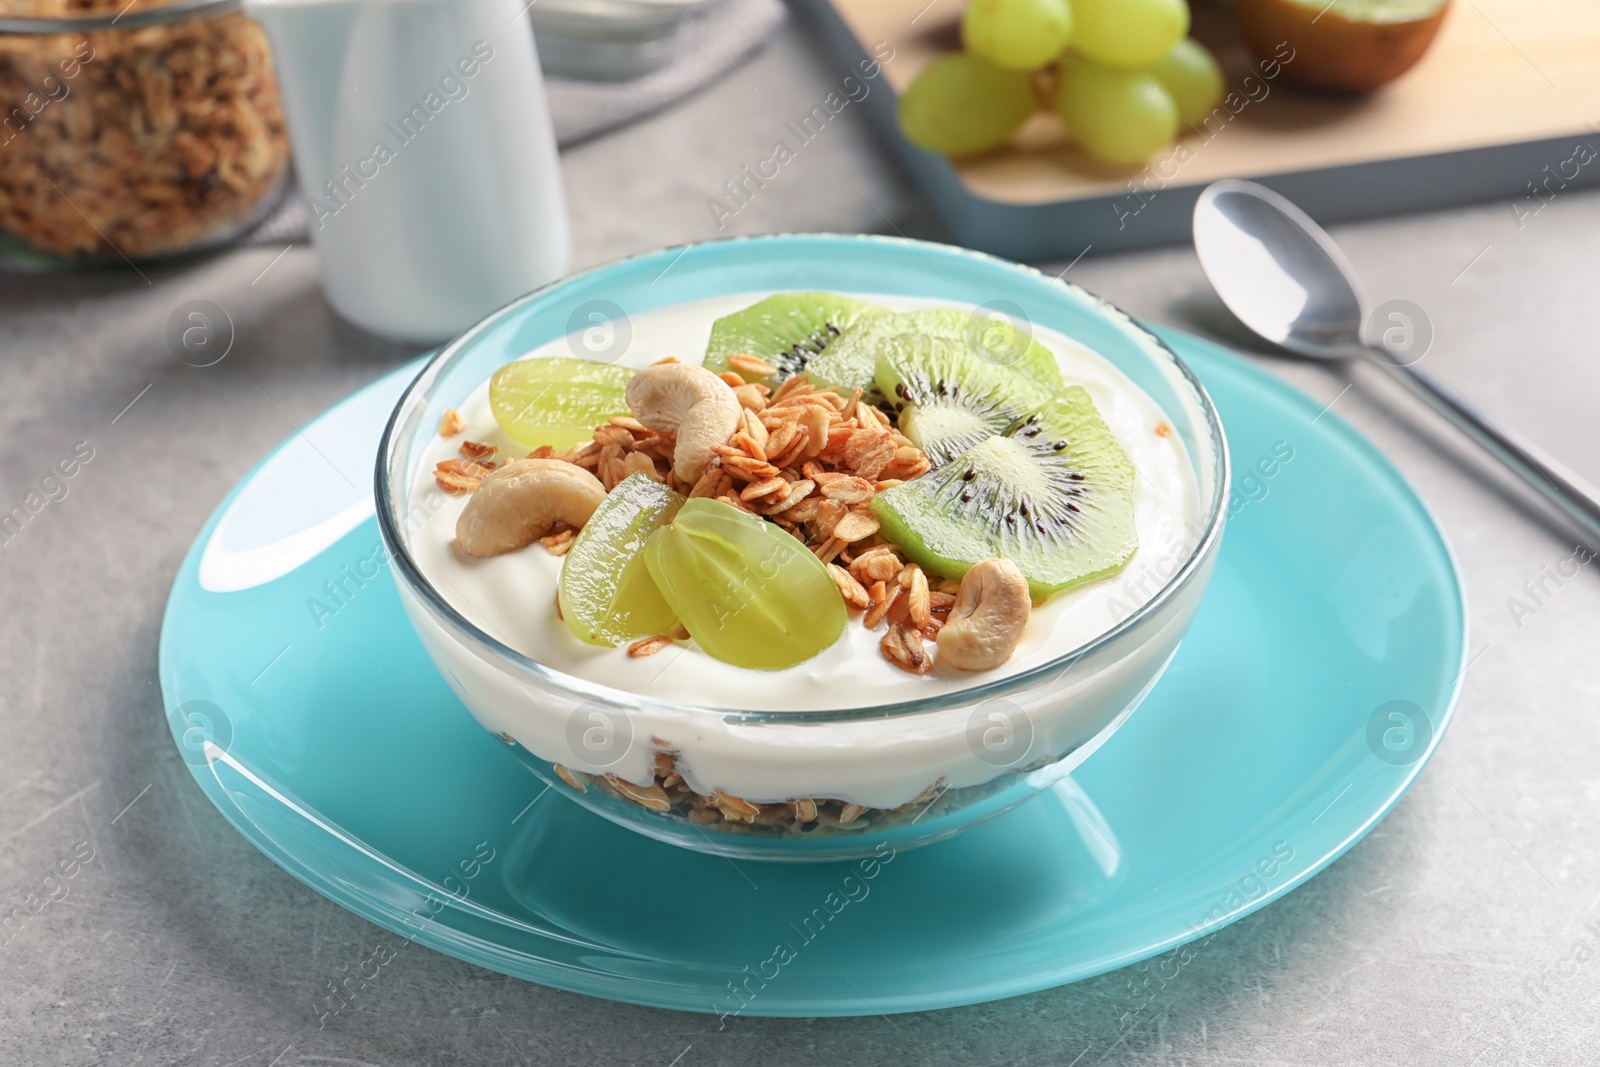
(1053, 494)
(787, 330)
(949, 400)
(993, 342)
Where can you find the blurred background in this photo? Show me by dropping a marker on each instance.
(1035, 129)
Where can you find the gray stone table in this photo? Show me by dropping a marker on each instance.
(1459, 932)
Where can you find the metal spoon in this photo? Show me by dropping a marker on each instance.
(1283, 277)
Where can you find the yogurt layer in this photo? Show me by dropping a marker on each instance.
(512, 597)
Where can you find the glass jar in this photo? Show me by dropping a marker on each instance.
(135, 133)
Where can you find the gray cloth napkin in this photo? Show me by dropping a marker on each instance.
(709, 46)
(707, 49)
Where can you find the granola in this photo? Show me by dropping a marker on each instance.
(136, 143)
(810, 461)
(668, 793)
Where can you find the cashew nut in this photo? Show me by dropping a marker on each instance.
(988, 617)
(521, 501)
(690, 401)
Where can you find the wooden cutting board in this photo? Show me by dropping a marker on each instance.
(1497, 109)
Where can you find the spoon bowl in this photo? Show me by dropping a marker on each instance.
(1277, 271)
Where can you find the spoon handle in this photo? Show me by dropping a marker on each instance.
(1575, 497)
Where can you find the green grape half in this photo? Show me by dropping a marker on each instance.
(961, 104)
(747, 592)
(1017, 34)
(606, 594)
(1192, 76)
(1118, 115)
(1128, 33)
(556, 401)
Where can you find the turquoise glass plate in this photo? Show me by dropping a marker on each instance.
(1317, 679)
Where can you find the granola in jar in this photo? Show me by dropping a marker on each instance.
(136, 137)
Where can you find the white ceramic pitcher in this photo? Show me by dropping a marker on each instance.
(423, 147)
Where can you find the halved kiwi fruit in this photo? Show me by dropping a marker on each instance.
(1349, 45)
(851, 361)
(1053, 494)
(787, 330)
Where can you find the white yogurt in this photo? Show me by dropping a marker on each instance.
(512, 597)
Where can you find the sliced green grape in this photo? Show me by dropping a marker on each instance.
(1128, 33)
(1192, 77)
(1119, 115)
(556, 401)
(607, 595)
(961, 104)
(1017, 34)
(748, 593)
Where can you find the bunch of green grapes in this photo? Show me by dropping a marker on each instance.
(1126, 78)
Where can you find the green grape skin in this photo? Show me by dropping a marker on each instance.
(1193, 78)
(1017, 34)
(1118, 115)
(960, 105)
(606, 593)
(557, 400)
(1128, 33)
(747, 592)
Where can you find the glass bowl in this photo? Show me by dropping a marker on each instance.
(912, 772)
(132, 134)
